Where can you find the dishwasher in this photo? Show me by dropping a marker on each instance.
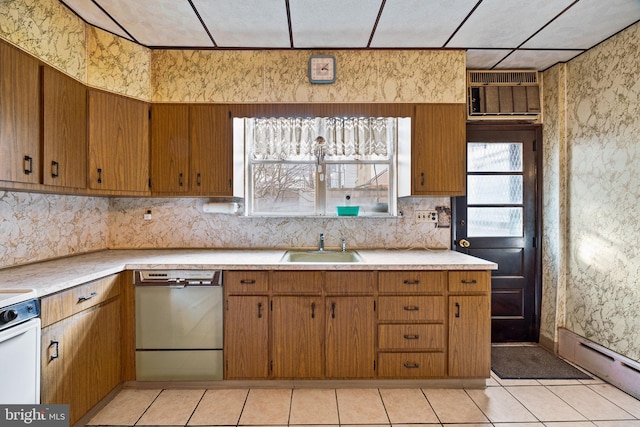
(179, 331)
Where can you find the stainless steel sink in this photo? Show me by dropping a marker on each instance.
(321, 256)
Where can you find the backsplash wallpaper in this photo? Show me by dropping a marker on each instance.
(36, 227)
(179, 223)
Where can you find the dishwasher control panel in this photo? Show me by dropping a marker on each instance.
(178, 278)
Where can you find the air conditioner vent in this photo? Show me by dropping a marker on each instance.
(507, 78)
(504, 95)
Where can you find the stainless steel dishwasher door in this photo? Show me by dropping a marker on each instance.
(179, 333)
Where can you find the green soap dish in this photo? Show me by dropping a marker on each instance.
(348, 210)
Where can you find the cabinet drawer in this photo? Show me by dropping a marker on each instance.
(350, 282)
(411, 308)
(469, 281)
(411, 365)
(412, 282)
(296, 282)
(67, 303)
(246, 282)
(411, 337)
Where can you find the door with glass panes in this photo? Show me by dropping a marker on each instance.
(498, 220)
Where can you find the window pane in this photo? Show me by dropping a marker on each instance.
(367, 184)
(284, 188)
(494, 222)
(494, 189)
(494, 157)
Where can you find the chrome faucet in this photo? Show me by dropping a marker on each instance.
(321, 242)
(343, 243)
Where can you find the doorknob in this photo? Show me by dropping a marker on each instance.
(464, 243)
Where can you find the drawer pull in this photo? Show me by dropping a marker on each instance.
(259, 310)
(457, 309)
(247, 282)
(411, 337)
(28, 165)
(411, 308)
(468, 282)
(413, 365)
(91, 295)
(313, 310)
(412, 282)
(55, 169)
(55, 355)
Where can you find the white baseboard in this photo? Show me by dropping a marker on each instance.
(606, 364)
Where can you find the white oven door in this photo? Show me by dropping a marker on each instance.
(20, 363)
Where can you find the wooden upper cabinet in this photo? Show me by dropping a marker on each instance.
(169, 148)
(64, 133)
(19, 116)
(438, 154)
(211, 134)
(118, 143)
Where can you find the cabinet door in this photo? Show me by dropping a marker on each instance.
(64, 130)
(350, 344)
(246, 337)
(55, 365)
(297, 337)
(438, 154)
(118, 143)
(169, 148)
(469, 336)
(19, 116)
(211, 134)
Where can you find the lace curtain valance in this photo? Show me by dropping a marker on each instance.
(361, 138)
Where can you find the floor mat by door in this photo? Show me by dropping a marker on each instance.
(531, 362)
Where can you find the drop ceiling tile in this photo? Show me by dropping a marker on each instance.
(484, 59)
(538, 59)
(333, 23)
(247, 23)
(95, 16)
(506, 23)
(586, 24)
(159, 22)
(416, 23)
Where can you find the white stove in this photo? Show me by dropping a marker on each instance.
(19, 346)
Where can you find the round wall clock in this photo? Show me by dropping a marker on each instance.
(322, 69)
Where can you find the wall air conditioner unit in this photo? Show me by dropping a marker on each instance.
(504, 95)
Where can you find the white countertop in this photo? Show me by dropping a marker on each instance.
(52, 276)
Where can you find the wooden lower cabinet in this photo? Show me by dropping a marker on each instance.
(350, 337)
(246, 337)
(81, 360)
(297, 337)
(469, 336)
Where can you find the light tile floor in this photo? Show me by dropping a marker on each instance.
(503, 403)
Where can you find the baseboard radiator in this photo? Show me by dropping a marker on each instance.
(608, 365)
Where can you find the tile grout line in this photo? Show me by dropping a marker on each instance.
(196, 407)
(148, 406)
(384, 406)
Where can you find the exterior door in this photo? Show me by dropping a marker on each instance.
(498, 220)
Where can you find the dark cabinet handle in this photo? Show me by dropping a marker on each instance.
(411, 337)
(412, 282)
(457, 309)
(411, 308)
(313, 310)
(247, 282)
(54, 356)
(28, 165)
(411, 365)
(333, 310)
(91, 295)
(259, 310)
(469, 282)
(198, 179)
(422, 178)
(99, 176)
(55, 169)
(180, 180)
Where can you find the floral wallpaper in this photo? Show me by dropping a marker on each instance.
(281, 76)
(595, 267)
